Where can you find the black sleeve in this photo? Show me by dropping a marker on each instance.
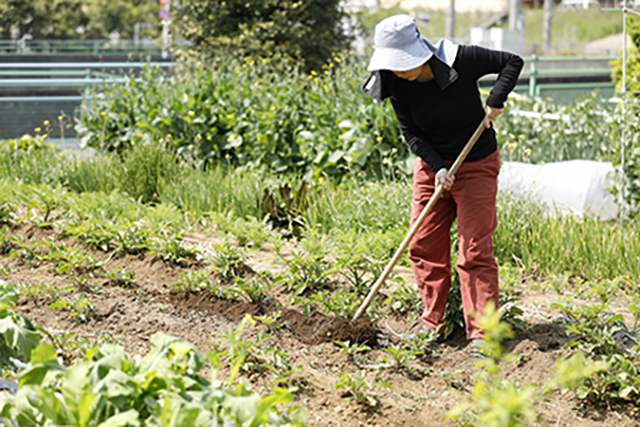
(416, 139)
(506, 65)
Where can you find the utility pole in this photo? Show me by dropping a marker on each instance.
(451, 20)
(546, 24)
(515, 12)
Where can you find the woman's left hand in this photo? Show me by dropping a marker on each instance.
(492, 114)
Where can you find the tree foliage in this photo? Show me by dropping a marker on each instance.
(80, 19)
(310, 30)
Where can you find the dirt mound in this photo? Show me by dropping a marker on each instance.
(314, 329)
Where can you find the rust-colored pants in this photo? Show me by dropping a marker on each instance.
(472, 200)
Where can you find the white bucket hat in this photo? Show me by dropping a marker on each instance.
(399, 45)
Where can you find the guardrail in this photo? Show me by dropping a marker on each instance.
(94, 47)
(534, 71)
(52, 76)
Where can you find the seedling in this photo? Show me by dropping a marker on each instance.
(77, 305)
(352, 349)
(281, 367)
(254, 290)
(306, 272)
(271, 322)
(228, 261)
(342, 304)
(357, 387)
(68, 260)
(123, 279)
(192, 281)
(168, 246)
(401, 358)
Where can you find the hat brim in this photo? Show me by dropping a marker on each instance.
(400, 59)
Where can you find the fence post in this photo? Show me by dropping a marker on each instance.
(533, 75)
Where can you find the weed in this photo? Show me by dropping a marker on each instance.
(404, 300)
(6, 244)
(45, 200)
(604, 337)
(450, 378)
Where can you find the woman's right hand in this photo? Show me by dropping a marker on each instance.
(444, 180)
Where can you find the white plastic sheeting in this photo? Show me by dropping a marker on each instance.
(578, 187)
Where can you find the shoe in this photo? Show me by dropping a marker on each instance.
(476, 350)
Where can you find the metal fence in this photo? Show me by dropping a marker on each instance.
(34, 93)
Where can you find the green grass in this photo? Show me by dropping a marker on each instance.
(571, 28)
(354, 213)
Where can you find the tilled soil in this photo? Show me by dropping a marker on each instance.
(419, 396)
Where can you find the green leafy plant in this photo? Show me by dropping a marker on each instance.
(280, 365)
(18, 336)
(401, 358)
(70, 260)
(168, 246)
(120, 278)
(307, 273)
(356, 386)
(255, 290)
(496, 401)
(240, 355)
(192, 281)
(77, 306)
(228, 260)
(164, 388)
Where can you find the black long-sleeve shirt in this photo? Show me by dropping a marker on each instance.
(438, 123)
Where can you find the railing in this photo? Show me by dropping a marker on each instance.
(534, 71)
(77, 74)
(86, 47)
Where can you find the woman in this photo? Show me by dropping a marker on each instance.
(435, 96)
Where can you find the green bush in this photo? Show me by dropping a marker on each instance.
(251, 114)
(310, 30)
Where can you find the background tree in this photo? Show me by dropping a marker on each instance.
(78, 19)
(310, 30)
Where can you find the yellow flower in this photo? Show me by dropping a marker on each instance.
(512, 136)
(191, 113)
(527, 152)
(325, 87)
(37, 130)
(208, 137)
(379, 139)
(46, 122)
(326, 72)
(61, 118)
(102, 113)
(337, 59)
(199, 63)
